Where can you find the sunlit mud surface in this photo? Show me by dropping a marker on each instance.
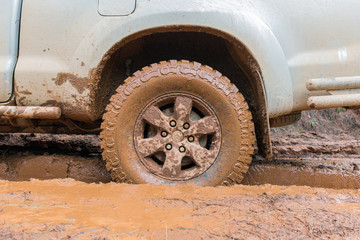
(91, 207)
(66, 209)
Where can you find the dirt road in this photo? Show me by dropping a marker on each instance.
(63, 209)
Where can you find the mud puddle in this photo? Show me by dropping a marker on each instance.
(66, 209)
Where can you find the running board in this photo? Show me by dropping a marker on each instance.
(31, 112)
(344, 92)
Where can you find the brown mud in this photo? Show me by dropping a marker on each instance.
(66, 209)
(302, 159)
(94, 208)
(337, 173)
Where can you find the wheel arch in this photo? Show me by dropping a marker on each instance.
(244, 27)
(252, 86)
(253, 48)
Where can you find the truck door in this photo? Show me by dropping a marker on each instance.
(9, 39)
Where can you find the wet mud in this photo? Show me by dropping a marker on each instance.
(66, 209)
(338, 173)
(328, 173)
(80, 202)
(304, 159)
(22, 166)
(319, 145)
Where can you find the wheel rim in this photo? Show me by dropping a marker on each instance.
(177, 136)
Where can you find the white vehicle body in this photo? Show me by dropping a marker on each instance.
(63, 46)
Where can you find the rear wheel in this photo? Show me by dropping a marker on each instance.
(177, 122)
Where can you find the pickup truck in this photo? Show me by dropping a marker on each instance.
(180, 91)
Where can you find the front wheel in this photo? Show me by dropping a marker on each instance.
(177, 122)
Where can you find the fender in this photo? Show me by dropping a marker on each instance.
(246, 28)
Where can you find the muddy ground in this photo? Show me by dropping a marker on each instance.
(65, 209)
(322, 160)
(306, 158)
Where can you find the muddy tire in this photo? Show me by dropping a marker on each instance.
(177, 122)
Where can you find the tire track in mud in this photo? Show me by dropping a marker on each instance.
(309, 159)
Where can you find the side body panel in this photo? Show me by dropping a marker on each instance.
(320, 39)
(9, 35)
(116, 7)
(63, 42)
(51, 71)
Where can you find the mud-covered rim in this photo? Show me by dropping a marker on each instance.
(177, 136)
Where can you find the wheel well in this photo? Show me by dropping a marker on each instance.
(209, 47)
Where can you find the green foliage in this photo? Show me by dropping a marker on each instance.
(313, 122)
(340, 109)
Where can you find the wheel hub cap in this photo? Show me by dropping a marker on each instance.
(177, 136)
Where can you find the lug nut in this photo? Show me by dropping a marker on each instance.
(164, 134)
(172, 123)
(186, 126)
(182, 149)
(168, 146)
(191, 138)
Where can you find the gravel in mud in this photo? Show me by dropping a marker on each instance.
(66, 209)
